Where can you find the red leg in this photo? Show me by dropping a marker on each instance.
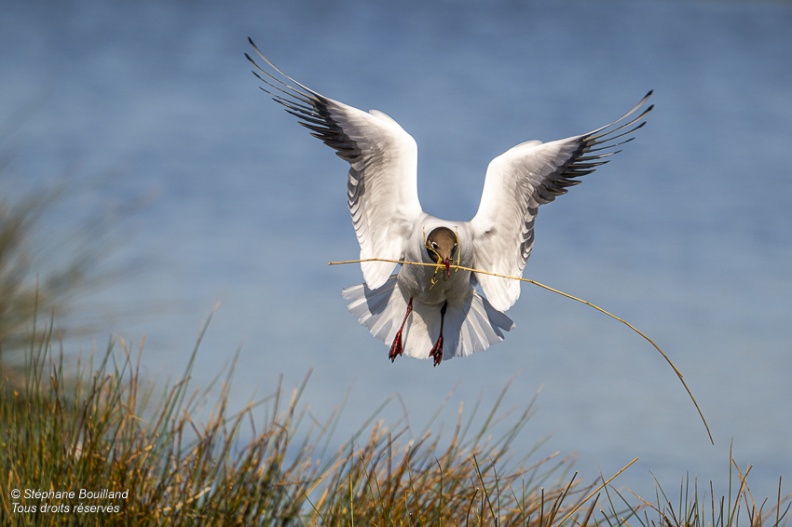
(396, 348)
(437, 350)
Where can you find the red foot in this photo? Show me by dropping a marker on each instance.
(437, 351)
(397, 348)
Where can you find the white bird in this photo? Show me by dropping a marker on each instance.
(436, 311)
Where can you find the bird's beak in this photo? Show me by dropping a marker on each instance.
(447, 263)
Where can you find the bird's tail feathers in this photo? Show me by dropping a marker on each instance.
(471, 326)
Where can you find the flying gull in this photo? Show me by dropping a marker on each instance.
(436, 311)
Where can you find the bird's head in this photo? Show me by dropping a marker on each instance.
(442, 247)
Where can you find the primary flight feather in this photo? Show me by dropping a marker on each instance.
(425, 311)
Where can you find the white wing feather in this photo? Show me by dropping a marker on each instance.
(382, 191)
(518, 182)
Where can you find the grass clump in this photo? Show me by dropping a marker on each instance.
(96, 429)
(23, 289)
(694, 507)
(461, 481)
(42, 271)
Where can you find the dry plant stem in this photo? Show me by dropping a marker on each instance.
(595, 491)
(567, 295)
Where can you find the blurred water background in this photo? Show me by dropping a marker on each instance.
(687, 233)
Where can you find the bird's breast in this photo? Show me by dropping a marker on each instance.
(433, 284)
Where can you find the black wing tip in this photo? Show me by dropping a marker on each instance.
(605, 135)
(597, 149)
(258, 52)
(287, 84)
(308, 106)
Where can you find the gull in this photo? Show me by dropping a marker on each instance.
(438, 311)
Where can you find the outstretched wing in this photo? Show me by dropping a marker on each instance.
(525, 177)
(382, 190)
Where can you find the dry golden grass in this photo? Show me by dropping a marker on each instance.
(94, 427)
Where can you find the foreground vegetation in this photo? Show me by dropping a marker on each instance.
(96, 431)
(94, 427)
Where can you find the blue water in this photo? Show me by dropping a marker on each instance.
(687, 233)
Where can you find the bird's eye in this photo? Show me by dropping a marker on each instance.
(434, 245)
